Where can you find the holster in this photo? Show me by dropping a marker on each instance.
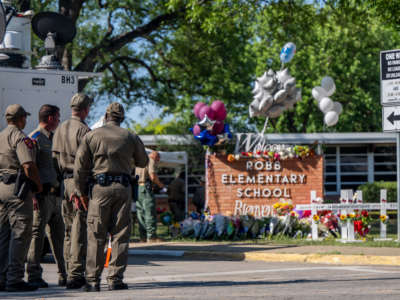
(149, 186)
(23, 185)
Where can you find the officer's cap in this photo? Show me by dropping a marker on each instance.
(14, 111)
(116, 110)
(80, 101)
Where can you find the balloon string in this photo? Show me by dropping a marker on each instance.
(265, 126)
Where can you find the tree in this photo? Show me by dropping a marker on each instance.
(174, 53)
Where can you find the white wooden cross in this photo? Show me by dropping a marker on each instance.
(346, 206)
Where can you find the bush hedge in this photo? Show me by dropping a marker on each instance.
(371, 191)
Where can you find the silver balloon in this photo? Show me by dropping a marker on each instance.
(337, 107)
(275, 110)
(328, 85)
(283, 75)
(331, 118)
(325, 104)
(289, 84)
(207, 122)
(318, 93)
(265, 103)
(280, 96)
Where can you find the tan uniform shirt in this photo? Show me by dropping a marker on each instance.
(44, 160)
(66, 141)
(109, 149)
(144, 172)
(16, 149)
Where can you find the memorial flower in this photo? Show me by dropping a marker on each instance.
(343, 217)
(384, 219)
(230, 158)
(316, 218)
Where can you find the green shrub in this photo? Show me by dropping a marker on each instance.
(371, 191)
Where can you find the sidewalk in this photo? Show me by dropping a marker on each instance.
(349, 255)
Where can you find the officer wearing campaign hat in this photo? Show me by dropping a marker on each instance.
(66, 141)
(109, 154)
(17, 165)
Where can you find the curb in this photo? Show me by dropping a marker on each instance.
(277, 257)
(174, 253)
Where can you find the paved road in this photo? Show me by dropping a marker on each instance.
(185, 278)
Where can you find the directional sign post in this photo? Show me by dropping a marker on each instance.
(390, 99)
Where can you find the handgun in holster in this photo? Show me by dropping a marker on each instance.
(23, 185)
(149, 186)
(135, 187)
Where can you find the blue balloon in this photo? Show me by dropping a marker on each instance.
(287, 52)
(167, 219)
(206, 138)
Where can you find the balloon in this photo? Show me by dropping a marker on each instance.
(331, 118)
(337, 107)
(217, 128)
(289, 84)
(219, 110)
(328, 85)
(197, 108)
(206, 110)
(318, 93)
(275, 110)
(265, 103)
(206, 122)
(280, 96)
(196, 129)
(325, 105)
(287, 52)
(206, 138)
(283, 75)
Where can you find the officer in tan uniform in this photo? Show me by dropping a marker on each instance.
(19, 177)
(176, 197)
(146, 203)
(107, 153)
(46, 205)
(66, 141)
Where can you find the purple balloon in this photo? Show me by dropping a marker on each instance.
(217, 128)
(197, 107)
(206, 110)
(196, 129)
(219, 110)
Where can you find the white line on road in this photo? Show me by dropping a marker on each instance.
(244, 272)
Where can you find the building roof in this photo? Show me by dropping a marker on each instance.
(288, 138)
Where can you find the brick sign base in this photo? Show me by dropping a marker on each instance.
(253, 185)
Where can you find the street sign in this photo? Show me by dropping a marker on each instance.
(390, 77)
(391, 118)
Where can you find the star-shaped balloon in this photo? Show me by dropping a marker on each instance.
(206, 122)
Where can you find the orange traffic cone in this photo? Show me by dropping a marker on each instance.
(108, 255)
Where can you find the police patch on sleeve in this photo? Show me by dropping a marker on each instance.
(28, 142)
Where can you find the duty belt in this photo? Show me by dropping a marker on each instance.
(8, 178)
(68, 175)
(105, 179)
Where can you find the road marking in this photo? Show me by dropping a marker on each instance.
(252, 272)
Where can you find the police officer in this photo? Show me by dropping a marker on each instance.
(176, 197)
(107, 153)
(19, 175)
(46, 205)
(67, 138)
(146, 203)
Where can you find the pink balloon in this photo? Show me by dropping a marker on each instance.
(196, 129)
(197, 107)
(218, 127)
(206, 110)
(219, 110)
